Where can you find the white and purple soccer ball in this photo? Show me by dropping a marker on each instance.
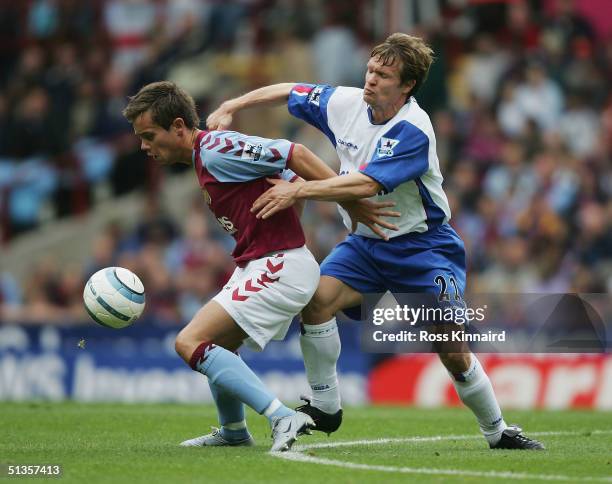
(114, 297)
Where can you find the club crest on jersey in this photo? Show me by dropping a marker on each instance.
(386, 146)
(315, 95)
(252, 152)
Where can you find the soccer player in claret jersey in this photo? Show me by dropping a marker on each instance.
(276, 274)
(387, 149)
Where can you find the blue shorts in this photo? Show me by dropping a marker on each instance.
(409, 263)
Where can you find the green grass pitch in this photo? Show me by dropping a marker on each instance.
(138, 443)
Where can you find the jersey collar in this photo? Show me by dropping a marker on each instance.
(369, 110)
(198, 139)
(195, 154)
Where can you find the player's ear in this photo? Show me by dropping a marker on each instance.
(178, 125)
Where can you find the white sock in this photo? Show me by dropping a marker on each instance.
(476, 392)
(320, 345)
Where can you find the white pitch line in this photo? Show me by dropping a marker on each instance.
(297, 455)
(433, 438)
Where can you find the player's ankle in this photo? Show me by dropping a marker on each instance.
(493, 437)
(328, 402)
(276, 409)
(494, 432)
(233, 435)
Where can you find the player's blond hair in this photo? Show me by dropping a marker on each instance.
(414, 55)
(166, 101)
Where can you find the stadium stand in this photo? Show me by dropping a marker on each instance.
(519, 96)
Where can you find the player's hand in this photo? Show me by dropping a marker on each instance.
(281, 196)
(369, 214)
(221, 118)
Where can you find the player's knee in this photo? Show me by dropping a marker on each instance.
(319, 309)
(455, 362)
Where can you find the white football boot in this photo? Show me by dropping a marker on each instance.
(285, 430)
(215, 439)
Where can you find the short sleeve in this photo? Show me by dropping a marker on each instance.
(401, 154)
(309, 102)
(234, 157)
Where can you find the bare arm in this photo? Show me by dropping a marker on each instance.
(347, 187)
(327, 186)
(272, 95)
(300, 204)
(310, 167)
(307, 165)
(323, 184)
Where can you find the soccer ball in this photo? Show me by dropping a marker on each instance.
(114, 297)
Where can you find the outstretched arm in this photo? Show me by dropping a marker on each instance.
(272, 95)
(353, 186)
(347, 187)
(323, 184)
(349, 193)
(307, 165)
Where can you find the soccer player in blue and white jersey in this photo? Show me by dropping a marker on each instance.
(276, 274)
(387, 150)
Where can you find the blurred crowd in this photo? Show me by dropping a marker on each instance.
(519, 96)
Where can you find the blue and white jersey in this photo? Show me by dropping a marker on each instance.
(399, 154)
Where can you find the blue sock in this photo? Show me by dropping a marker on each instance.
(230, 374)
(231, 414)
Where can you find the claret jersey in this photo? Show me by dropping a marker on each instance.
(399, 154)
(232, 170)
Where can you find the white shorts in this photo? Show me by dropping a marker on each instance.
(264, 296)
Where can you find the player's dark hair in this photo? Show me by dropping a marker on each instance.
(166, 102)
(414, 55)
